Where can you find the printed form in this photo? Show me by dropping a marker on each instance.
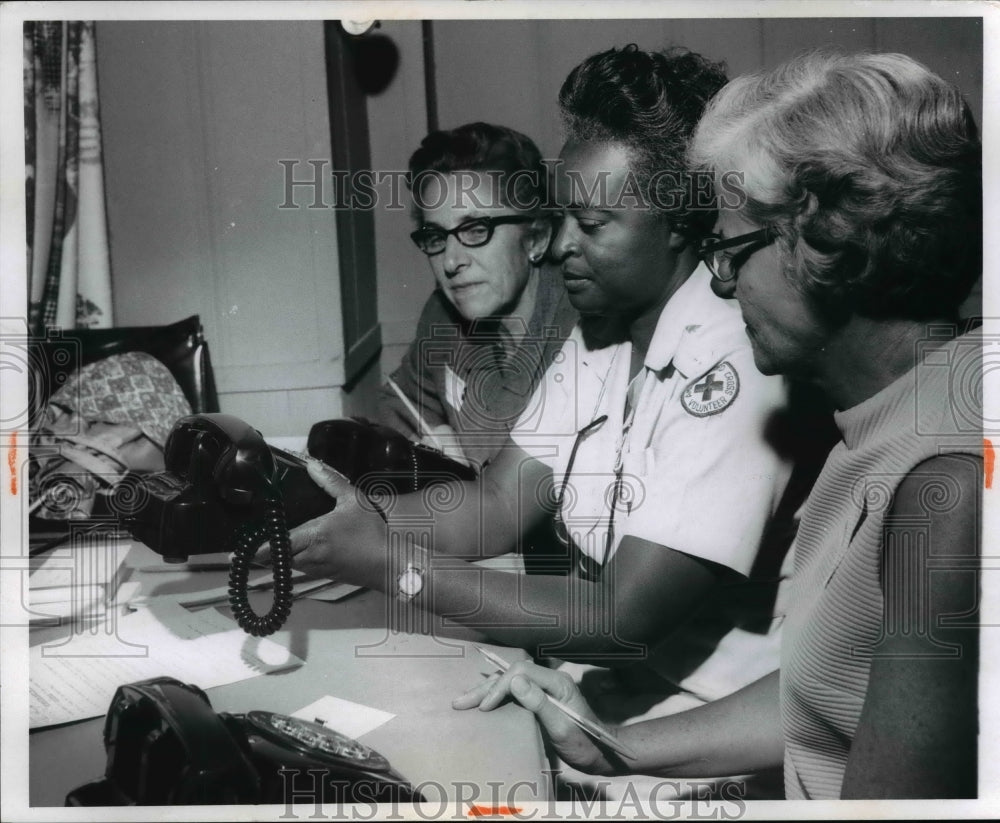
(76, 679)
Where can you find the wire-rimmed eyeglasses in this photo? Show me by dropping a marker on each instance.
(561, 529)
(432, 240)
(724, 264)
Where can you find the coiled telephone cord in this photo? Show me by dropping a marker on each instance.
(275, 530)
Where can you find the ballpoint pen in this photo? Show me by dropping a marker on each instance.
(300, 589)
(175, 568)
(588, 726)
(413, 410)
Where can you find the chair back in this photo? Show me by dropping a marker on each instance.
(180, 346)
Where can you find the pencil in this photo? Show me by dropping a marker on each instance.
(588, 726)
(415, 412)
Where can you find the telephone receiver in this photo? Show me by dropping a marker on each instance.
(380, 460)
(224, 489)
(167, 746)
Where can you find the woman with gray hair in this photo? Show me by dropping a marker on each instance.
(858, 237)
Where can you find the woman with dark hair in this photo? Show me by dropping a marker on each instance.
(498, 314)
(647, 436)
(859, 237)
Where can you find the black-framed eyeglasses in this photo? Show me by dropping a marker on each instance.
(724, 264)
(561, 529)
(472, 233)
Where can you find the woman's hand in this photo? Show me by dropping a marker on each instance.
(348, 543)
(529, 683)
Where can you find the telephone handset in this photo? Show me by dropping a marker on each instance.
(225, 489)
(166, 746)
(377, 458)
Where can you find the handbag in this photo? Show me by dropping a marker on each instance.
(110, 419)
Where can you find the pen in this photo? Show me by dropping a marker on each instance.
(299, 590)
(588, 726)
(421, 423)
(166, 568)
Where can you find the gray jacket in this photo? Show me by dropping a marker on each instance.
(455, 373)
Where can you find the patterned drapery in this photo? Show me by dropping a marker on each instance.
(68, 258)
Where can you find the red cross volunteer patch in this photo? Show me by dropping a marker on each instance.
(713, 392)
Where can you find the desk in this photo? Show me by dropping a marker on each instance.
(350, 653)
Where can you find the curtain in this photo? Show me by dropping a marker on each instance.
(68, 258)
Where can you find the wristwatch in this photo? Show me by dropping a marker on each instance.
(410, 583)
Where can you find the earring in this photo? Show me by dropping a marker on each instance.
(534, 259)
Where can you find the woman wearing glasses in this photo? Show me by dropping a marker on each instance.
(647, 435)
(858, 240)
(499, 313)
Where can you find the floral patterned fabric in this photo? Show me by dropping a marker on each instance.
(110, 418)
(133, 388)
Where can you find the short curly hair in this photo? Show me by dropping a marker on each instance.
(870, 167)
(506, 156)
(650, 102)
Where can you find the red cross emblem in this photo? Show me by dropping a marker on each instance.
(713, 393)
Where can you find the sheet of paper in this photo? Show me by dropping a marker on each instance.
(49, 607)
(313, 587)
(79, 566)
(78, 584)
(76, 679)
(510, 562)
(348, 718)
(336, 592)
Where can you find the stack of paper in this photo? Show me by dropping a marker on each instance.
(76, 678)
(78, 582)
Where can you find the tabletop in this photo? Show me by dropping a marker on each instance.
(365, 648)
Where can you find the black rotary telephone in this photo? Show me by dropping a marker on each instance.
(224, 488)
(166, 746)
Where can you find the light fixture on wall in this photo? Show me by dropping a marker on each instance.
(374, 57)
(357, 28)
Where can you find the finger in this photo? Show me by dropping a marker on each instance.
(497, 688)
(442, 430)
(307, 561)
(474, 696)
(498, 691)
(262, 557)
(531, 696)
(458, 456)
(560, 685)
(328, 478)
(303, 536)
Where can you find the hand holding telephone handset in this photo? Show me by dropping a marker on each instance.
(224, 488)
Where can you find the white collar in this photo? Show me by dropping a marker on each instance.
(695, 328)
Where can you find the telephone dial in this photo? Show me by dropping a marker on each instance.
(166, 746)
(224, 489)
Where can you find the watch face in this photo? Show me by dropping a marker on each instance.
(410, 582)
(315, 740)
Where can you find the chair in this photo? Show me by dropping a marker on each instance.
(180, 346)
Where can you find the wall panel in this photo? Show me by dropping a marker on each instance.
(196, 117)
